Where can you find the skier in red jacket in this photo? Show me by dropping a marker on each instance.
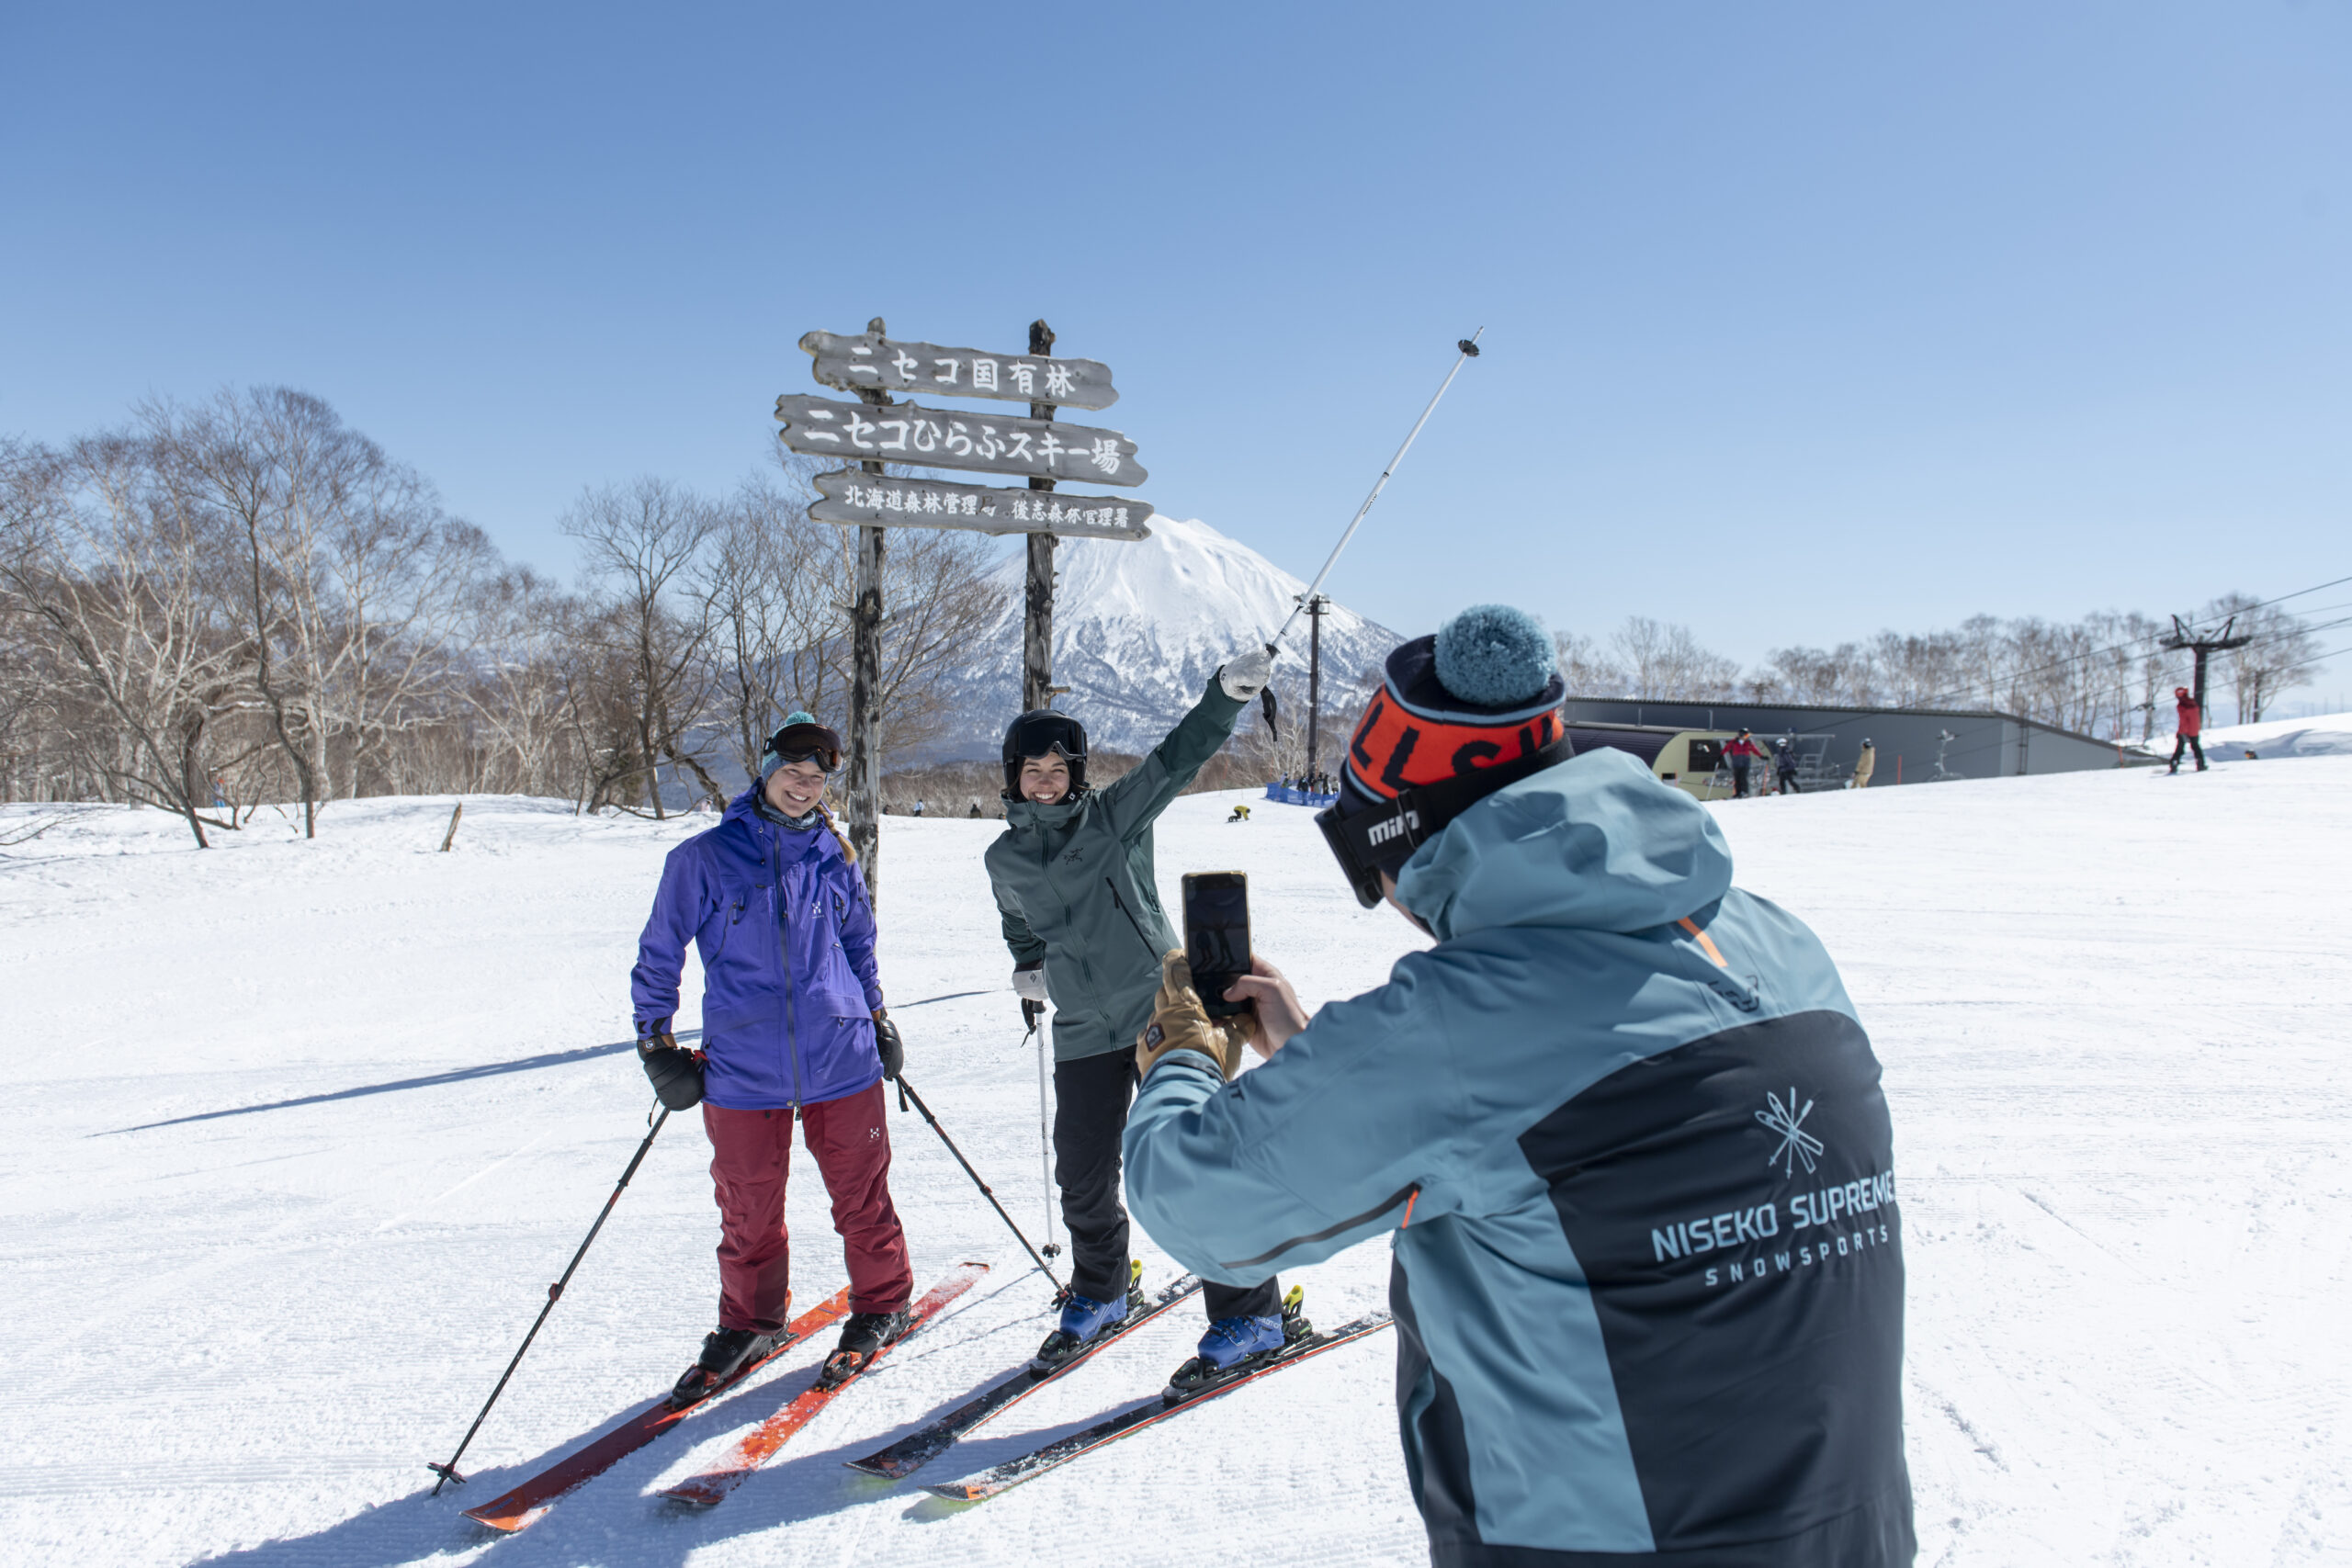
(1741, 753)
(2192, 719)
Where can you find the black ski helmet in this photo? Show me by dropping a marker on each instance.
(1036, 733)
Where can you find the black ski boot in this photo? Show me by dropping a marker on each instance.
(1236, 1346)
(725, 1352)
(864, 1335)
(1086, 1322)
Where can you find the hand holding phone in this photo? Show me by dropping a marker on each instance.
(1216, 936)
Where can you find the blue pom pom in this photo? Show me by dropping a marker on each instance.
(796, 716)
(1494, 656)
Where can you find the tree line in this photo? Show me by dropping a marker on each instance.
(245, 600)
(2108, 674)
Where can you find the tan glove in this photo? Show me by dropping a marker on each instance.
(1178, 1023)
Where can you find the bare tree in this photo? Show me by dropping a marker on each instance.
(1588, 672)
(124, 582)
(1664, 660)
(2278, 657)
(640, 542)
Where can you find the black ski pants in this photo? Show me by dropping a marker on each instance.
(2190, 742)
(1091, 1096)
(1739, 778)
(1788, 781)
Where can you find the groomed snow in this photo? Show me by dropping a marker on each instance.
(2328, 735)
(2110, 1006)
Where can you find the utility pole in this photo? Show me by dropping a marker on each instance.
(1037, 615)
(1317, 606)
(2201, 646)
(866, 680)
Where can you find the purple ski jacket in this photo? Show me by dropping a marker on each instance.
(788, 984)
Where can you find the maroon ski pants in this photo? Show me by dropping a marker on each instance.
(751, 1154)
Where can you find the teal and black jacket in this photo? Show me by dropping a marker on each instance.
(1628, 1138)
(1076, 887)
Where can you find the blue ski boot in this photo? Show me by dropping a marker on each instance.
(1086, 1321)
(1235, 1346)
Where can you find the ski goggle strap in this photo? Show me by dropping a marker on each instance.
(806, 743)
(1384, 836)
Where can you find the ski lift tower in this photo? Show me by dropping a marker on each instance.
(2219, 642)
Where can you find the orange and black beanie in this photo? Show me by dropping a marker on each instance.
(1459, 715)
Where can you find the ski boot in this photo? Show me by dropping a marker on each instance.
(1086, 1321)
(864, 1335)
(725, 1352)
(1235, 1346)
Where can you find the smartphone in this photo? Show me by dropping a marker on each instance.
(1216, 936)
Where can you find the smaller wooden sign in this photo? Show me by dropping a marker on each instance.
(854, 496)
(870, 362)
(929, 438)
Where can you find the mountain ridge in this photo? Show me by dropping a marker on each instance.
(1138, 629)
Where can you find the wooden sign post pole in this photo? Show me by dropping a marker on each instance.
(865, 684)
(1037, 617)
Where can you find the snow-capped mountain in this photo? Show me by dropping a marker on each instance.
(1139, 628)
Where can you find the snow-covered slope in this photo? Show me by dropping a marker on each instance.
(300, 1133)
(2329, 735)
(1139, 628)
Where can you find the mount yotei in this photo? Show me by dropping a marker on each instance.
(1139, 628)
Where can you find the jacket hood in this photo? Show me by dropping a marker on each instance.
(1061, 814)
(1596, 843)
(817, 843)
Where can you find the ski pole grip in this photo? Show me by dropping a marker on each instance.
(555, 1292)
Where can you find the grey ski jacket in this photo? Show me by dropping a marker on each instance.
(1076, 887)
(1629, 1138)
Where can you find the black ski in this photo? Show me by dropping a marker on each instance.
(910, 1453)
(1013, 1471)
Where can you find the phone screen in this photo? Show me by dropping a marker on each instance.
(1216, 936)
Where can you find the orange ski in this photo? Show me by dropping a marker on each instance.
(759, 1445)
(522, 1506)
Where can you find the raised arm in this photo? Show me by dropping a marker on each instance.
(1134, 802)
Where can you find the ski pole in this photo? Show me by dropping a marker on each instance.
(448, 1472)
(906, 1093)
(1468, 347)
(1469, 350)
(1032, 1012)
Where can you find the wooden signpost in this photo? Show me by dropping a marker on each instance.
(876, 430)
(852, 496)
(871, 362)
(991, 443)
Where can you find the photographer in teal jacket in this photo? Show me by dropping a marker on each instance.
(1622, 1122)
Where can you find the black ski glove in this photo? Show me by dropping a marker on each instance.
(887, 1041)
(675, 1072)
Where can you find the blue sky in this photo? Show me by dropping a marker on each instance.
(1803, 319)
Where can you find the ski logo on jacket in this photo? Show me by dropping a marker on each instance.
(1796, 1143)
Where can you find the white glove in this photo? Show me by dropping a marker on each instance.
(1245, 676)
(1029, 983)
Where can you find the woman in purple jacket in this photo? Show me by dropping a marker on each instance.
(793, 1025)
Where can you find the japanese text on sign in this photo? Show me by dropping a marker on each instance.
(870, 363)
(905, 433)
(850, 496)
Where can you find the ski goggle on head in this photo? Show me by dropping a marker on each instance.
(806, 743)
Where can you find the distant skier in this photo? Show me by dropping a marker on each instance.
(793, 1026)
(1240, 814)
(2190, 724)
(1078, 893)
(1784, 767)
(1865, 764)
(1741, 752)
(1620, 1122)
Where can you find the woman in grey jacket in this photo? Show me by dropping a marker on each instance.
(1075, 888)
